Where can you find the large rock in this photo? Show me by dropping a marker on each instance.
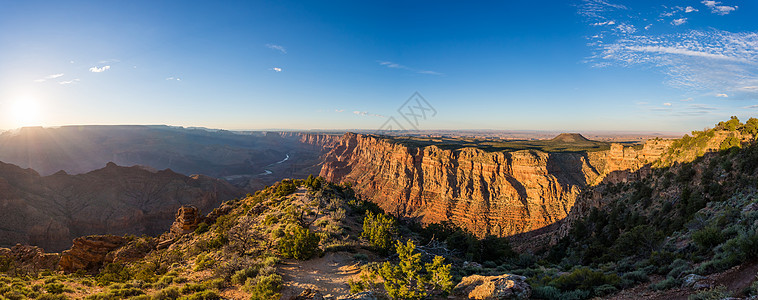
(89, 252)
(187, 219)
(493, 287)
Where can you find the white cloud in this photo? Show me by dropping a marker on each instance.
(99, 70)
(667, 104)
(611, 22)
(360, 113)
(277, 69)
(722, 95)
(174, 78)
(277, 47)
(687, 100)
(648, 26)
(690, 9)
(677, 22)
(339, 110)
(719, 9)
(393, 65)
(52, 76)
(69, 81)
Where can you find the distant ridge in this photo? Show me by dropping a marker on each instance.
(570, 138)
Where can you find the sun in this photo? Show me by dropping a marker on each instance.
(25, 112)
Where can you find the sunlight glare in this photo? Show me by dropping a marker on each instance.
(25, 112)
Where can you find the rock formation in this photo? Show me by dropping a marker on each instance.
(89, 252)
(30, 258)
(493, 287)
(187, 219)
(499, 193)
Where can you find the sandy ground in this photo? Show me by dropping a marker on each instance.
(328, 274)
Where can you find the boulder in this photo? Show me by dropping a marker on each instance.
(696, 282)
(505, 286)
(89, 252)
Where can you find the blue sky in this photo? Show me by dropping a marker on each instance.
(545, 65)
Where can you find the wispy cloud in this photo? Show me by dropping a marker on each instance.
(339, 110)
(367, 114)
(751, 106)
(277, 47)
(276, 69)
(393, 65)
(722, 95)
(100, 69)
(667, 104)
(67, 82)
(48, 77)
(719, 9)
(173, 78)
(709, 61)
(677, 22)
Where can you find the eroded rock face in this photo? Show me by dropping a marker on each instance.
(498, 193)
(493, 287)
(89, 252)
(187, 219)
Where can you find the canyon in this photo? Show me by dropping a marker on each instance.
(487, 193)
(501, 193)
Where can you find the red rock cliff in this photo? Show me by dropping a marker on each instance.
(500, 193)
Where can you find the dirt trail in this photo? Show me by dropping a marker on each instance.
(328, 274)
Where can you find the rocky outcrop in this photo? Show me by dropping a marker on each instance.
(30, 258)
(88, 253)
(187, 219)
(499, 193)
(493, 287)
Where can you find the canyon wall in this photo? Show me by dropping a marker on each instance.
(498, 193)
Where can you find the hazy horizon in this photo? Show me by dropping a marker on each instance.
(583, 65)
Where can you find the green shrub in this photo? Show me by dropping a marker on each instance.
(546, 292)
(264, 287)
(204, 295)
(203, 262)
(409, 279)
(202, 228)
(665, 284)
(707, 238)
(299, 243)
(584, 278)
(638, 276)
(170, 293)
(716, 293)
(113, 272)
(379, 230)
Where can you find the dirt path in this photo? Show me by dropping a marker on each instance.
(328, 274)
(738, 278)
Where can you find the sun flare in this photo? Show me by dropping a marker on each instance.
(25, 112)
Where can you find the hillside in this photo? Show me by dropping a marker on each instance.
(49, 211)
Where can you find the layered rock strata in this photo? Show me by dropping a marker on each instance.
(498, 193)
